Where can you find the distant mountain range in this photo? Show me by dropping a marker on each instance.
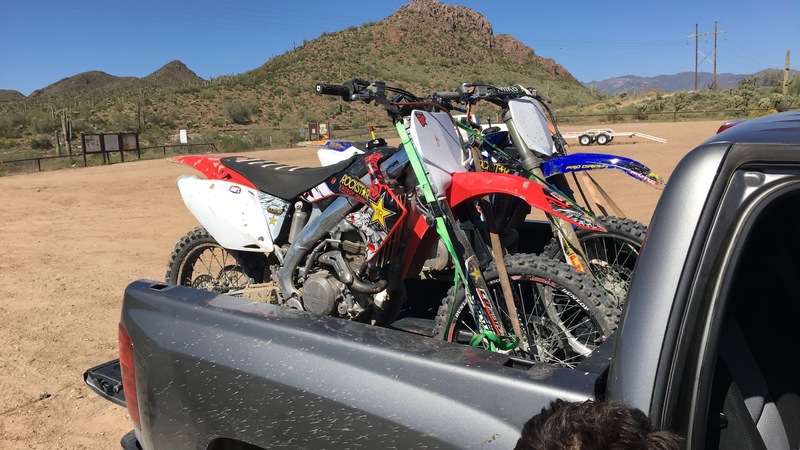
(683, 81)
(174, 73)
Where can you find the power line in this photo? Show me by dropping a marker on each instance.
(696, 37)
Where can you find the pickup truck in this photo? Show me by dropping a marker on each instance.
(704, 343)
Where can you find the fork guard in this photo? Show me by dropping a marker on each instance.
(467, 186)
(581, 162)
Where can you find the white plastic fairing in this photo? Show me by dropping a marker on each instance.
(530, 122)
(329, 157)
(230, 212)
(437, 142)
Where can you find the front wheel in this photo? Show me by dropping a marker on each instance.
(611, 255)
(199, 261)
(563, 314)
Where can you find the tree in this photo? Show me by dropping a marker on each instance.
(679, 101)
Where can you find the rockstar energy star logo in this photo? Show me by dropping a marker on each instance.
(380, 213)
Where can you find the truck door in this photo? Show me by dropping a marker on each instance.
(732, 379)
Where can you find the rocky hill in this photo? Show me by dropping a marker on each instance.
(425, 44)
(85, 82)
(8, 94)
(174, 73)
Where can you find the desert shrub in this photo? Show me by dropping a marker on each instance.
(41, 143)
(7, 129)
(44, 123)
(234, 143)
(238, 113)
(119, 121)
(641, 110)
(6, 143)
(761, 112)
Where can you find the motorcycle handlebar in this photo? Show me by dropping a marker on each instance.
(502, 91)
(346, 90)
(334, 89)
(447, 95)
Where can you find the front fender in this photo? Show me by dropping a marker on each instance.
(212, 168)
(579, 162)
(471, 185)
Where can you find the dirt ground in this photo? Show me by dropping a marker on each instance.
(73, 239)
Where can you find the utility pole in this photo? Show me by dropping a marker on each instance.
(697, 52)
(715, 55)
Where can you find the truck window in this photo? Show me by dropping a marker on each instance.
(755, 396)
(735, 376)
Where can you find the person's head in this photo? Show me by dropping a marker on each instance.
(593, 425)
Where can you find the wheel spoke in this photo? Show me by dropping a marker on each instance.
(202, 263)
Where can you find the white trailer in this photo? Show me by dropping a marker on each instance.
(605, 135)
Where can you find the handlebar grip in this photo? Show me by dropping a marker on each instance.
(447, 95)
(508, 90)
(334, 89)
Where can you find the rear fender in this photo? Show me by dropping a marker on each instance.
(329, 156)
(212, 168)
(468, 186)
(580, 162)
(230, 212)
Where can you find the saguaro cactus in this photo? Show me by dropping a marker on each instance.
(66, 129)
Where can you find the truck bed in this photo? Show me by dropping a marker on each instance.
(284, 377)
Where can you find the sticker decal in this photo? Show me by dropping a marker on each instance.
(421, 118)
(352, 186)
(380, 213)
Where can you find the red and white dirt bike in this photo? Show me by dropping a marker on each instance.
(341, 239)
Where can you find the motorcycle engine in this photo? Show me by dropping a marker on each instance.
(324, 293)
(354, 249)
(321, 292)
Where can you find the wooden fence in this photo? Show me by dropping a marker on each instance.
(42, 163)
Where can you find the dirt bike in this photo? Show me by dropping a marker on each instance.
(542, 317)
(532, 146)
(340, 240)
(609, 256)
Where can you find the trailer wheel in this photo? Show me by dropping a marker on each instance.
(603, 139)
(585, 139)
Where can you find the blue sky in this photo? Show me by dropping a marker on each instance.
(43, 41)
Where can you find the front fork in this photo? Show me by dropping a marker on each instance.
(563, 231)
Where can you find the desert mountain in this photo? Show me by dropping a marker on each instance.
(174, 73)
(8, 94)
(683, 81)
(424, 45)
(84, 82)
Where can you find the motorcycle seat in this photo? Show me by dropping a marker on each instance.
(282, 180)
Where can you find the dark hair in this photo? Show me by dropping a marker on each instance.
(594, 425)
